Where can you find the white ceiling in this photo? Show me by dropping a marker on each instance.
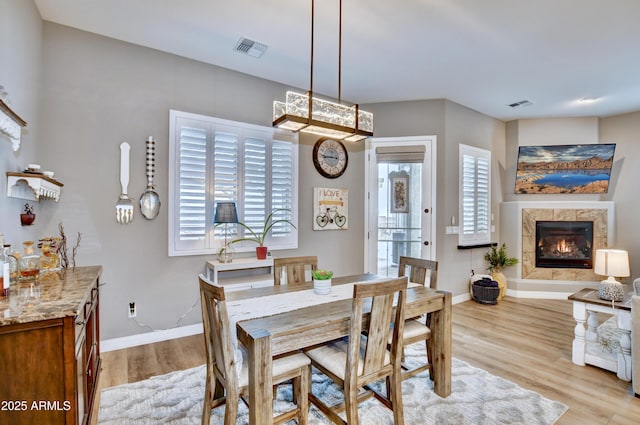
(484, 54)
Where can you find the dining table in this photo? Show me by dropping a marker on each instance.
(297, 326)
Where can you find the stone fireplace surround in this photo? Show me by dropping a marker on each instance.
(518, 231)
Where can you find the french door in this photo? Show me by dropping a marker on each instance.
(400, 185)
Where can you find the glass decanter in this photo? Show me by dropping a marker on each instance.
(49, 260)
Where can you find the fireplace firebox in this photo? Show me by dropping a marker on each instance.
(564, 244)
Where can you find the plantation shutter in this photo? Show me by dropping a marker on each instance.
(192, 183)
(255, 179)
(475, 196)
(281, 187)
(220, 160)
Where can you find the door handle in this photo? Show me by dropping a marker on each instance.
(425, 243)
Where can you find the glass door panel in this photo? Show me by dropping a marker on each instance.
(399, 214)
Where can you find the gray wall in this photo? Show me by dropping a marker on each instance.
(576, 130)
(452, 124)
(83, 95)
(624, 131)
(98, 92)
(20, 74)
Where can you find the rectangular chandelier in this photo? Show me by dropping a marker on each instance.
(321, 117)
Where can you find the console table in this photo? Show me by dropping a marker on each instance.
(586, 347)
(241, 273)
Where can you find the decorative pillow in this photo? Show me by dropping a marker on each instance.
(609, 335)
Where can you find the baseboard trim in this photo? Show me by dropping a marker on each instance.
(149, 337)
(545, 295)
(182, 331)
(461, 298)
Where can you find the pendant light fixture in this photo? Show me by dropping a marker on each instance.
(309, 114)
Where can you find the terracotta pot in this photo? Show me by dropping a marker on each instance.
(27, 219)
(261, 252)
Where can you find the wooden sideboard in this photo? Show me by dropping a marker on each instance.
(50, 349)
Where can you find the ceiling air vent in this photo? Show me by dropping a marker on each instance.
(250, 47)
(521, 103)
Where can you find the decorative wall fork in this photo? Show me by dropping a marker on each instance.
(124, 207)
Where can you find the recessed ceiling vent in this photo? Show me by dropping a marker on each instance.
(521, 103)
(250, 47)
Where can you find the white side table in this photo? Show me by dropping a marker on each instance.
(241, 273)
(586, 347)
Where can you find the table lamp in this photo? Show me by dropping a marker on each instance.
(225, 213)
(611, 263)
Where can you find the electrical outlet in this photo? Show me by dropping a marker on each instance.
(133, 311)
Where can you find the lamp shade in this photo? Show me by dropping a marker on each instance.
(612, 262)
(226, 213)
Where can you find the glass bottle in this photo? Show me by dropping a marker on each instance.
(29, 263)
(5, 279)
(13, 264)
(49, 260)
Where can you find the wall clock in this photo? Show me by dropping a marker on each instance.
(330, 157)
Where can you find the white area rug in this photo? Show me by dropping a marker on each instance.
(477, 398)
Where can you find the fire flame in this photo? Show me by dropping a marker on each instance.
(563, 247)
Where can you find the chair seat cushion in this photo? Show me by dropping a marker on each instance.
(333, 356)
(281, 365)
(415, 329)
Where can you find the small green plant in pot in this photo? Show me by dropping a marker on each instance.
(497, 259)
(321, 274)
(321, 281)
(260, 236)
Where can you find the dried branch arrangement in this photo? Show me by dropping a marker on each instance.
(62, 249)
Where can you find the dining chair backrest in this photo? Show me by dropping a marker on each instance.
(421, 271)
(294, 269)
(215, 320)
(378, 328)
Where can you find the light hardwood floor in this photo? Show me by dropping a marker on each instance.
(525, 341)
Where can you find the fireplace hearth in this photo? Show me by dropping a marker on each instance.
(518, 231)
(564, 244)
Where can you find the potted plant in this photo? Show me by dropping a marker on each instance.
(498, 259)
(27, 218)
(321, 281)
(259, 237)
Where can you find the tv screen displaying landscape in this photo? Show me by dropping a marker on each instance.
(564, 168)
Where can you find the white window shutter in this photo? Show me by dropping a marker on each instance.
(475, 196)
(191, 198)
(217, 160)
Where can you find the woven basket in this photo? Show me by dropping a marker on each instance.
(485, 294)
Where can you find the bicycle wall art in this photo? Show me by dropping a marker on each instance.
(330, 208)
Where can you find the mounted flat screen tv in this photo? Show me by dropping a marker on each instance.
(564, 168)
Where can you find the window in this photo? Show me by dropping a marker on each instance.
(475, 196)
(213, 160)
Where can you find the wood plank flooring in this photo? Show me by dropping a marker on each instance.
(523, 340)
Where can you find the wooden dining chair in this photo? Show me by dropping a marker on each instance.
(356, 361)
(294, 267)
(424, 272)
(224, 384)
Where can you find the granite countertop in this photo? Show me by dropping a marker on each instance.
(54, 295)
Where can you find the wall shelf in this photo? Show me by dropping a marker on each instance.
(11, 125)
(33, 187)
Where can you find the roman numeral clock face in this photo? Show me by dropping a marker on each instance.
(330, 157)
